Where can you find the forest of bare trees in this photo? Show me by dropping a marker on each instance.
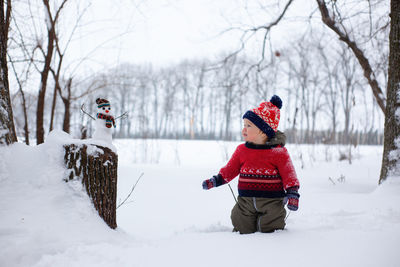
(327, 95)
(193, 100)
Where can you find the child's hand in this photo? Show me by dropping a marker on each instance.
(210, 183)
(292, 198)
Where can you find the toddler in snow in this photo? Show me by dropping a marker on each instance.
(267, 178)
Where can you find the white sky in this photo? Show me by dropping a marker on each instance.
(167, 31)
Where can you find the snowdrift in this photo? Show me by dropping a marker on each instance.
(344, 218)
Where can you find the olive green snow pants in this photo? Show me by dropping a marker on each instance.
(252, 214)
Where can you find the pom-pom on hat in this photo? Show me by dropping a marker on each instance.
(266, 116)
(101, 102)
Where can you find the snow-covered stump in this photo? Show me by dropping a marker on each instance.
(96, 166)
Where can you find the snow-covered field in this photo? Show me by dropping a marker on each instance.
(344, 219)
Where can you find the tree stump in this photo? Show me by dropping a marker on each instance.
(96, 166)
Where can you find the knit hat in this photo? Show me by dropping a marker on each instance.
(101, 102)
(266, 116)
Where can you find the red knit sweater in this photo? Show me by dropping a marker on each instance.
(264, 171)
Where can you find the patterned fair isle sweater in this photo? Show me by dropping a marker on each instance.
(264, 171)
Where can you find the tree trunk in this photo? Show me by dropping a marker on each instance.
(53, 108)
(43, 87)
(391, 149)
(67, 107)
(7, 129)
(48, 56)
(98, 172)
(67, 115)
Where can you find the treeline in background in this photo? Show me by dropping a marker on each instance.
(324, 101)
(326, 98)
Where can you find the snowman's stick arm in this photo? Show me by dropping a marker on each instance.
(124, 115)
(86, 112)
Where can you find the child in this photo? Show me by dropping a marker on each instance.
(267, 178)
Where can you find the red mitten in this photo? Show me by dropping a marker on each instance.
(292, 198)
(210, 183)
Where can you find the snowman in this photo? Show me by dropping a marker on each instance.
(105, 121)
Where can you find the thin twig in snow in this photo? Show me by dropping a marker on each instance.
(287, 216)
(133, 188)
(232, 192)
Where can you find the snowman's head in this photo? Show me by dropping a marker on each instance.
(103, 106)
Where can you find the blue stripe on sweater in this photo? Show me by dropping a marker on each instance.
(265, 194)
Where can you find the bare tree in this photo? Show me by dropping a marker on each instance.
(122, 80)
(329, 19)
(346, 83)
(229, 83)
(193, 89)
(52, 19)
(23, 98)
(67, 98)
(172, 117)
(391, 152)
(56, 70)
(306, 80)
(330, 91)
(25, 55)
(7, 128)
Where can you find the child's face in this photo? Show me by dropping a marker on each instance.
(252, 133)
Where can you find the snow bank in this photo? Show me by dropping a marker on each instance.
(344, 218)
(40, 213)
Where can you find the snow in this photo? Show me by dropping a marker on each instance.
(3, 110)
(58, 137)
(397, 111)
(398, 93)
(347, 220)
(4, 132)
(397, 115)
(394, 155)
(102, 133)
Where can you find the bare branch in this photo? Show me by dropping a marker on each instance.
(53, 20)
(86, 112)
(122, 116)
(267, 28)
(272, 24)
(26, 128)
(133, 188)
(363, 61)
